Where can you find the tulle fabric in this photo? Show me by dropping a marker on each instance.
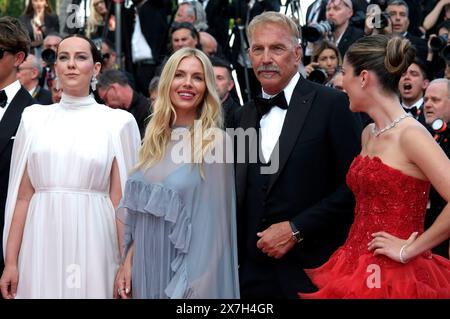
(386, 200)
(183, 228)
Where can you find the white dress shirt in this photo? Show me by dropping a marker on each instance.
(140, 49)
(11, 91)
(272, 122)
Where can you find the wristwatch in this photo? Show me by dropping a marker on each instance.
(295, 233)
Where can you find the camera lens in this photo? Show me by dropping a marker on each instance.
(438, 43)
(315, 32)
(318, 75)
(48, 56)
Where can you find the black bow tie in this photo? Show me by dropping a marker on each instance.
(3, 98)
(412, 110)
(263, 106)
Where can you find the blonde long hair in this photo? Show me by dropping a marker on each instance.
(159, 130)
(94, 21)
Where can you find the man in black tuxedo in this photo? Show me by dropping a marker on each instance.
(145, 43)
(13, 99)
(412, 86)
(297, 215)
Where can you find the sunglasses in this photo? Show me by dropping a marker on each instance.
(3, 50)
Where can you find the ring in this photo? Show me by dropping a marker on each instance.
(120, 290)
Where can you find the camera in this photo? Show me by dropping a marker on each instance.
(48, 56)
(441, 130)
(318, 75)
(438, 43)
(445, 53)
(315, 32)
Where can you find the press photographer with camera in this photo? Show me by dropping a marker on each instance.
(338, 13)
(439, 50)
(437, 114)
(48, 57)
(326, 60)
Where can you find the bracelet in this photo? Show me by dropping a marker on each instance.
(402, 249)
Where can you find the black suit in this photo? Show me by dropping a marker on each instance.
(420, 45)
(350, 35)
(154, 27)
(218, 14)
(42, 96)
(437, 204)
(51, 24)
(8, 128)
(319, 139)
(229, 107)
(140, 108)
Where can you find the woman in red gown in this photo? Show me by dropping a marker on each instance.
(387, 253)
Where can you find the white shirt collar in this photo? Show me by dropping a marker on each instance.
(32, 90)
(288, 90)
(11, 91)
(417, 104)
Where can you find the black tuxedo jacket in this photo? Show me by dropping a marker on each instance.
(51, 24)
(319, 139)
(350, 35)
(8, 128)
(154, 27)
(43, 96)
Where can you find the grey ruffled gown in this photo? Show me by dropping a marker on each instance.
(183, 228)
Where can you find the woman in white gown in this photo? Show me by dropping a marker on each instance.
(69, 165)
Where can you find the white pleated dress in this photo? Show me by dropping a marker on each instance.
(69, 247)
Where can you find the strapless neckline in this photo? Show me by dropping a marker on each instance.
(378, 160)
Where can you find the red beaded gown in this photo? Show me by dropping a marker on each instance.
(386, 200)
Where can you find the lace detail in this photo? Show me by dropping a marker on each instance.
(386, 200)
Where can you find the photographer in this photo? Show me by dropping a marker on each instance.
(326, 60)
(48, 57)
(339, 12)
(438, 49)
(437, 114)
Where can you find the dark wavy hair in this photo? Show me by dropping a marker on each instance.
(388, 57)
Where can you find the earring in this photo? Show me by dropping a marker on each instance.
(57, 85)
(94, 83)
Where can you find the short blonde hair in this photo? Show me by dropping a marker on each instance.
(275, 18)
(158, 132)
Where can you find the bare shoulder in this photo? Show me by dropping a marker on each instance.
(418, 144)
(415, 135)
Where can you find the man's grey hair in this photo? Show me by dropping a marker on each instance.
(36, 63)
(153, 85)
(442, 80)
(275, 18)
(109, 77)
(399, 3)
(195, 9)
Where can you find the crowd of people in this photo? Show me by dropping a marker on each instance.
(141, 175)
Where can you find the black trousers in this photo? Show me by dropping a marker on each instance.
(143, 74)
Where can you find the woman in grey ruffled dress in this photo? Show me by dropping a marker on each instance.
(179, 205)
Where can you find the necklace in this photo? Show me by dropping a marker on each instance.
(392, 125)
